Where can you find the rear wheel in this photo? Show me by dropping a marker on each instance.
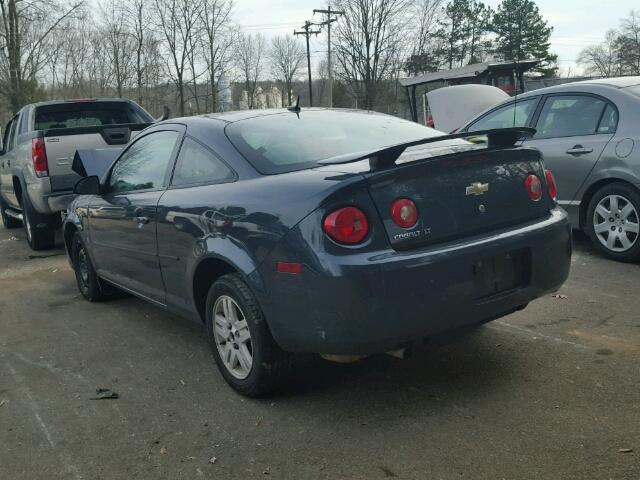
(613, 222)
(243, 347)
(8, 221)
(40, 229)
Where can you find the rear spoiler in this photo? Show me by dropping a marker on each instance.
(386, 157)
(87, 163)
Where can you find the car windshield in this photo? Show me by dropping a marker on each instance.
(285, 142)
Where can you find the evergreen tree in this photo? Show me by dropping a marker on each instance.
(462, 33)
(523, 34)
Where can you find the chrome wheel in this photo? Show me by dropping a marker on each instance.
(616, 223)
(232, 337)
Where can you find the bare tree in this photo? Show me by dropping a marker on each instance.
(177, 21)
(137, 19)
(120, 43)
(369, 40)
(286, 55)
(428, 14)
(603, 59)
(25, 30)
(217, 40)
(628, 43)
(250, 52)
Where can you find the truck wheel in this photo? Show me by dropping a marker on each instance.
(243, 347)
(40, 229)
(7, 221)
(613, 222)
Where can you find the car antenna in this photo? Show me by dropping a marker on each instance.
(295, 108)
(515, 101)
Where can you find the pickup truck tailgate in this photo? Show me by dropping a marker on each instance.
(61, 146)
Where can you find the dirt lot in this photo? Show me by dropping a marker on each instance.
(551, 392)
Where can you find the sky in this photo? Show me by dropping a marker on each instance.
(576, 23)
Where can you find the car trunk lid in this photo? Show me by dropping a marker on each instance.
(459, 194)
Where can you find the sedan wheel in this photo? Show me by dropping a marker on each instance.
(232, 337)
(615, 222)
(244, 349)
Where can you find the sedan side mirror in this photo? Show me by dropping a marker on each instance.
(87, 186)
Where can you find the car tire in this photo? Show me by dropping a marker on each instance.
(613, 222)
(7, 221)
(89, 284)
(251, 362)
(40, 229)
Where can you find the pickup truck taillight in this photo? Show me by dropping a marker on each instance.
(39, 157)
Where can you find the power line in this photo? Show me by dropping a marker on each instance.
(307, 32)
(328, 23)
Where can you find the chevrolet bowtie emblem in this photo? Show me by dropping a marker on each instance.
(477, 188)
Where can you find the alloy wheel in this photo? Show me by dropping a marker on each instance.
(616, 223)
(232, 337)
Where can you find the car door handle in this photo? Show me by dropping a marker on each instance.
(141, 220)
(579, 150)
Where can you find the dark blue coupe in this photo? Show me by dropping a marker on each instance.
(343, 233)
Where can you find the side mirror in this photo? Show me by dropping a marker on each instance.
(87, 186)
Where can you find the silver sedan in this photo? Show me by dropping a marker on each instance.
(589, 135)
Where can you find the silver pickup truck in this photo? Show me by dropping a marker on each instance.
(38, 146)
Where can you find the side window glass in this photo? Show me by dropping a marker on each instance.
(14, 133)
(609, 121)
(512, 115)
(6, 138)
(569, 115)
(144, 165)
(196, 164)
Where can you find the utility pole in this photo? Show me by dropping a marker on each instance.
(307, 32)
(328, 23)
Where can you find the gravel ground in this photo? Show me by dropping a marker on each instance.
(550, 392)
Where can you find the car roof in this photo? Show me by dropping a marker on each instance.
(237, 115)
(599, 83)
(618, 82)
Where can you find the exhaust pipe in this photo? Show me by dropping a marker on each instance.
(401, 353)
(343, 358)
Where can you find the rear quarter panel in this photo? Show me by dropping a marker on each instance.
(239, 222)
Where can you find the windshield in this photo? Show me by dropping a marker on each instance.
(283, 142)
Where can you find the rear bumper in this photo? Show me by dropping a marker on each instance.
(59, 201)
(364, 303)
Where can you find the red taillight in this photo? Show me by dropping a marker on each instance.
(39, 157)
(404, 213)
(534, 187)
(552, 188)
(430, 122)
(347, 225)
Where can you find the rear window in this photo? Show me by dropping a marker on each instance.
(283, 142)
(89, 114)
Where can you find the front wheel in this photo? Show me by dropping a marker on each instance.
(87, 279)
(613, 222)
(243, 347)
